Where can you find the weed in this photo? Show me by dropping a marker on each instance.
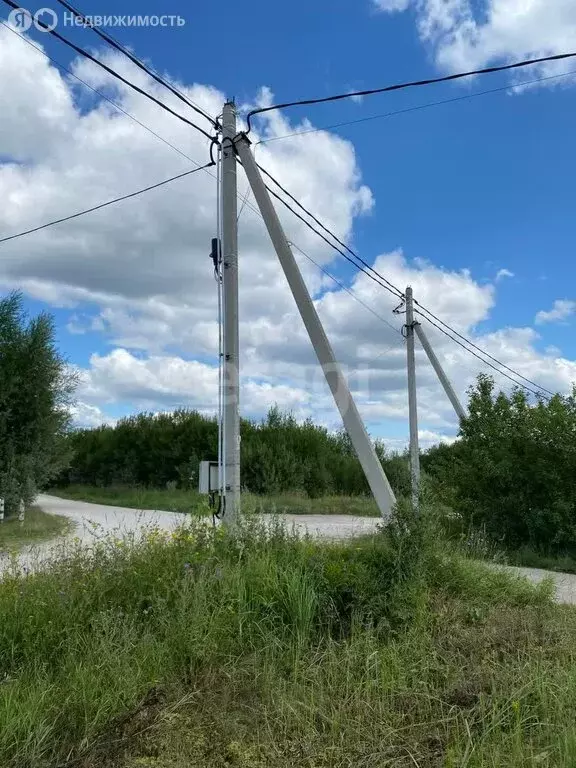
(37, 526)
(178, 500)
(201, 649)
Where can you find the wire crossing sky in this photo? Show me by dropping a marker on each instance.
(461, 203)
(403, 86)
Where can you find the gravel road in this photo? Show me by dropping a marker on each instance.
(124, 521)
(565, 583)
(93, 521)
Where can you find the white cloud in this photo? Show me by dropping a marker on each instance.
(466, 35)
(86, 415)
(161, 382)
(502, 273)
(427, 437)
(152, 248)
(391, 5)
(279, 366)
(561, 310)
(139, 273)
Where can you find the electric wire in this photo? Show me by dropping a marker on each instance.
(101, 94)
(334, 247)
(345, 288)
(411, 84)
(113, 72)
(104, 96)
(391, 288)
(140, 64)
(106, 204)
(388, 347)
(245, 202)
(539, 394)
(483, 351)
(416, 108)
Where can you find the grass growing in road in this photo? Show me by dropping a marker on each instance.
(190, 501)
(298, 504)
(198, 650)
(562, 563)
(134, 498)
(37, 526)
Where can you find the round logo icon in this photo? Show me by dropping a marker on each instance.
(45, 20)
(21, 19)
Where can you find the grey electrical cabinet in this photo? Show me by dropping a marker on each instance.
(208, 481)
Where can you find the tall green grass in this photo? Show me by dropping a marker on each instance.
(179, 500)
(173, 500)
(202, 649)
(36, 526)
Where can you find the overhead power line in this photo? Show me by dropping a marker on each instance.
(140, 64)
(114, 74)
(416, 108)
(387, 284)
(402, 86)
(483, 351)
(116, 106)
(538, 393)
(377, 277)
(106, 204)
(349, 291)
(245, 202)
(101, 94)
(334, 247)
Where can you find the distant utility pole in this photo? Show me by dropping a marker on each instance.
(371, 465)
(412, 400)
(231, 366)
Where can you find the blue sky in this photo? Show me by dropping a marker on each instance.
(483, 184)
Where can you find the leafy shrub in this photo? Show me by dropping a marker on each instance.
(279, 455)
(512, 473)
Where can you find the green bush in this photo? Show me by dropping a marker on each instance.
(512, 473)
(279, 455)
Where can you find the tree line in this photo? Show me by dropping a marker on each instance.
(511, 472)
(278, 454)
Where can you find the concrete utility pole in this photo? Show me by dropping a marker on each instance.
(448, 388)
(412, 399)
(231, 428)
(377, 480)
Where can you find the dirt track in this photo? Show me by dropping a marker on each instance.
(97, 520)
